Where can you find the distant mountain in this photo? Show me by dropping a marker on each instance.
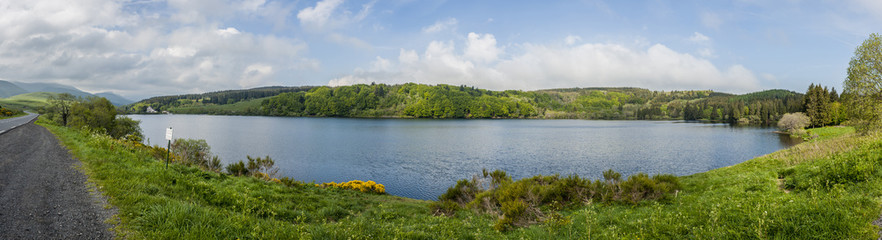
(53, 88)
(8, 89)
(115, 99)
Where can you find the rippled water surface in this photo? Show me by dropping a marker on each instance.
(422, 158)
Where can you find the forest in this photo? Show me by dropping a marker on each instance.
(212, 98)
(446, 101)
(413, 100)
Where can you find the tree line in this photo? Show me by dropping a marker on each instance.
(93, 113)
(163, 103)
(446, 101)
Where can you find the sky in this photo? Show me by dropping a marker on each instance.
(145, 48)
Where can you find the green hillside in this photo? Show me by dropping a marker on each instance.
(27, 101)
(245, 107)
(220, 102)
(446, 101)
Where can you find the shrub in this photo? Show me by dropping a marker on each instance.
(237, 169)
(518, 202)
(463, 192)
(358, 185)
(792, 122)
(444, 207)
(192, 151)
(289, 182)
(124, 126)
(264, 165)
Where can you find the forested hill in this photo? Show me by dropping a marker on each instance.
(446, 101)
(163, 103)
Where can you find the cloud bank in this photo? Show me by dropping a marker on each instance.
(101, 45)
(542, 66)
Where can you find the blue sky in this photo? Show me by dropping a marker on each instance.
(143, 48)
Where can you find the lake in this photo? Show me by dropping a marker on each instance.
(420, 159)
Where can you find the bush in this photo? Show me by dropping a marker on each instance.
(444, 207)
(518, 202)
(124, 126)
(289, 182)
(463, 192)
(792, 122)
(358, 185)
(264, 165)
(193, 152)
(237, 169)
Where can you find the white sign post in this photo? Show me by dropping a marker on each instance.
(168, 136)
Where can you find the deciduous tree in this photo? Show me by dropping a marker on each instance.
(863, 87)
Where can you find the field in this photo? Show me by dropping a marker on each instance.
(827, 188)
(246, 107)
(27, 101)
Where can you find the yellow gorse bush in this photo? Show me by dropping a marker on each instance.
(358, 185)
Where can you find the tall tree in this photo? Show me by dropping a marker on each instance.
(61, 105)
(863, 86)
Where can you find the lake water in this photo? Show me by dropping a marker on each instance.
(422, 158)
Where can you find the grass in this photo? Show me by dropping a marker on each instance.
(828, 188)
(247, 107)
(30, 101)
(14, 116)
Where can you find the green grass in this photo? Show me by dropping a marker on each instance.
(828, 188)
(828, 132)
(247, 107)
(13, 116)
(30, 101)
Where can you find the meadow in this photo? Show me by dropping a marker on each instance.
(826, 188)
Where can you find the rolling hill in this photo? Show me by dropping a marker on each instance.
(30, 95)
(413, 100)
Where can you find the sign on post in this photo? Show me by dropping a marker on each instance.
(168, 136)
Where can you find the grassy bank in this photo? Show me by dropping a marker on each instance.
(828, 188)
(247, 107)
(27, 101)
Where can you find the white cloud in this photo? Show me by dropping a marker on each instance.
(228, 32)
(571, 39)
(254, 75)
(449, 24)
(704, 42)
(317, 17)
(138, 54)
(482, 48)
(408, 56)
(330, 14)
(252, 5)
(553, 66)
(706, 52)
(381, 65)
(697, 37)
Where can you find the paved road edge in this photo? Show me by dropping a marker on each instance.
(25, 123)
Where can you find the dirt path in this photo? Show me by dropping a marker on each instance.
(42, 194)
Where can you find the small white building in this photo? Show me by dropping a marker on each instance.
(150, 109)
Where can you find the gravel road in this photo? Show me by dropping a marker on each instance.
(42, 194)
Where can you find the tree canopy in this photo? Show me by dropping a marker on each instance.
(863, 86)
